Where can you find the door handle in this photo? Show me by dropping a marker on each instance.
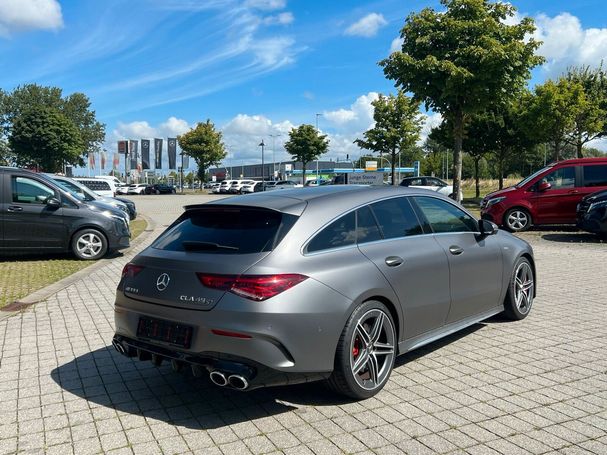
(455, 250)
(394, 261)
(15, 208)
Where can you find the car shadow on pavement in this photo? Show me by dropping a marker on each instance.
(571, 237)
(105, 378)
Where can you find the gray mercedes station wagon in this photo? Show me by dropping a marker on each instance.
(316, 283)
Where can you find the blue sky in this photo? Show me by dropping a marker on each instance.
(153, 68)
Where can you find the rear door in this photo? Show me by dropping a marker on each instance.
(558, 203)
(413, 263)
(475, 264)
(29, 223)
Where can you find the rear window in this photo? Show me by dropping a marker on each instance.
(595, 175)
(226, 230)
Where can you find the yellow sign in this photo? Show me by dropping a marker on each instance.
(371, 166)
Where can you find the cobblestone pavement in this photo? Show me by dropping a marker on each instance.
(535, 386)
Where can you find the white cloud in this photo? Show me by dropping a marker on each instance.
(432, 120)
(142, 129)
(397, 45)
(274, 52)
(566, 42)
(21, 15)
(267, 5)
(367, 26)
(358, 118)
(279, 19)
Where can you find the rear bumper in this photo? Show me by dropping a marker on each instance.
(295, 332)
(257, 375)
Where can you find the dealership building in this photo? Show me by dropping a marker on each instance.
(293, 170)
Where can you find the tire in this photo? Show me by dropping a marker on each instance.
(89, 245)
(521, 288)
(517, 220)
(367, 347)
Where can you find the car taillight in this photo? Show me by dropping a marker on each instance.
(253, 287)
(130, 270)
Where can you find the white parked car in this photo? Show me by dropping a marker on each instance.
(137, 188)
(431, 183)
(214, 188)
(224, 187)
(251, 187)
(237, 185)
(102, 186)
(284, 185)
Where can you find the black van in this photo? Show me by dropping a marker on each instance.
(37, 215)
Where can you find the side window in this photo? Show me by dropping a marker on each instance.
(30, 191)
(366, 226)
(341, 232)
(561, 178)
(396, 218)
(416, 182)
(595, 175)
(444, 216)
(435, 182)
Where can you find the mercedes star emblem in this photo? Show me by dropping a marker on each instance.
(163, 281)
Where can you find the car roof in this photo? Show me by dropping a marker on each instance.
(294, 201)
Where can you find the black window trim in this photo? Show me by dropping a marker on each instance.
(582, 178)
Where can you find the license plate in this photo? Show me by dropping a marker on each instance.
(167, 331)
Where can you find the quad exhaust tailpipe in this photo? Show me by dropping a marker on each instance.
(221, 379)
(118, 346)
(238, 382)
(218, 378)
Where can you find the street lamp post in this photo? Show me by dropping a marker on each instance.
(263, 173)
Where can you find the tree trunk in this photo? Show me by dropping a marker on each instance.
(458, 132)
(500, 170)
(557, 150)
(393, 165)
(303, 175)
(579, 144)
(476, 177)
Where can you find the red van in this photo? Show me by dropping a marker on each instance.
(550, 196)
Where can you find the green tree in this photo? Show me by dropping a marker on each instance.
(44, 138)
(6, 157)
(398, 123)
(306, 144)
(463, 61)
(189, 178)
(590, 120)
(552, 112)
(205, 145)
(75, 107)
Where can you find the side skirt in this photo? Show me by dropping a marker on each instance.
(441, 332)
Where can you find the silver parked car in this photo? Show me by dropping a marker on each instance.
(318, 283)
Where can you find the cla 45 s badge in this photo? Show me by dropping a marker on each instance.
(192, 299)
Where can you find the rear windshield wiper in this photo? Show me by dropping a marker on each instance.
(193, 245)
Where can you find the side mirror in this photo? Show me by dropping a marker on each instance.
(486, 227)
(543, 186)
(53, 203)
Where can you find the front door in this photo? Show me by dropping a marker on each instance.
(414, 264)
(29, 223)
(475, 263)
(558, 203)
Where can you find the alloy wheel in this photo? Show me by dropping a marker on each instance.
(89, 245)
(518, 220)
(523, 287)
(372, 349)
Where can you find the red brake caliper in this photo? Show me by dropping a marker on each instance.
(355, 349)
